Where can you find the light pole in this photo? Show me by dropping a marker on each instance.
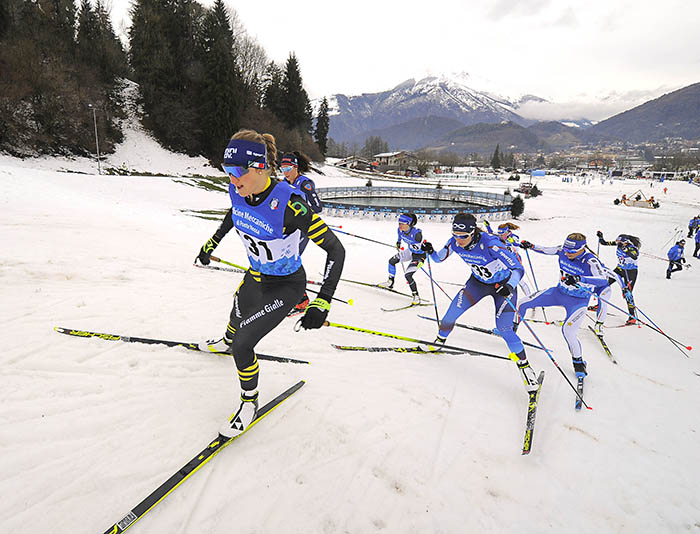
(97, 143)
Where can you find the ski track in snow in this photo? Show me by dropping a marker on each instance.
(374, 442)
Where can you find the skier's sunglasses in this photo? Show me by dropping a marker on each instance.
(464, 235)
(235, 171)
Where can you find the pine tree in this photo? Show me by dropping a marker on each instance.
(322, 125)
(296, 111)
(111, 57)
(97, 44)
(496, 158)
(273, 94)
(517, 207)
(166, 56)
(223, 95)
(87, 31)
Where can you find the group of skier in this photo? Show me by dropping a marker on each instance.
(276, 219)
(497, 270)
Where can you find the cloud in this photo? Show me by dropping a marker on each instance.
(589, 107)
(514, 8)
(567, 19)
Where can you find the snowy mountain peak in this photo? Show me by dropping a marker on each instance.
(458, 96)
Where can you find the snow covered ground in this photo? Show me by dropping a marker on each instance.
(374, 442)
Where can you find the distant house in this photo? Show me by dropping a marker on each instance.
(354, 162)
(396, 161)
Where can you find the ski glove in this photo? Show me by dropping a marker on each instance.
(205, 252)
(571, 279)
(504, 290)
(427, 247)
(526, 244)
(316, 313)
(203, 257)
(600, 235)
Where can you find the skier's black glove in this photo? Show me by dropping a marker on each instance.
(504, 290)
(600, 236)
(206, 250)
(203, 257)
(526, 244)
(316, 313)
(398, 245)
(427, 247)
(571, 279)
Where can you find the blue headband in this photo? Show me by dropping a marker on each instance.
(466, 226)
(573, 245)
(247, 154)
(405, 219)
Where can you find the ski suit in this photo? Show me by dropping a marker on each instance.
(492, 263)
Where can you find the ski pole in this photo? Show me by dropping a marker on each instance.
(674, 341)
(674, 237)
(432, 287)
(350, 301)
(404, 338)
(527, 253)
(680, 346)
(228, 263)
(432, 280)
(365, 238)
(549, 352)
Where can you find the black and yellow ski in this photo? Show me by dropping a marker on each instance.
(193, 466)
(603, 344)
(411, 350)
(534, 398)
(421, 342)
(149, 341)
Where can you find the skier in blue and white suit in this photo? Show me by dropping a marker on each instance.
(496, 272)
(412, 236)
(581, 273)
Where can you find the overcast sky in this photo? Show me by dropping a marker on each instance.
(572, 52)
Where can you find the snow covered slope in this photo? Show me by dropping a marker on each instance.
(377, 442)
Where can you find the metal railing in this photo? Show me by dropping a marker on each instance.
(339, 201)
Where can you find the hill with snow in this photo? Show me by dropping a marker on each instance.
(374, 442)
(449, 97)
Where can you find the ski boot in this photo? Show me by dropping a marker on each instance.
(580, 368)
(631, 320)
(416, 298)
(439, 341)
(222, 345)
(245, 415)
(300, 307)
(528, 374)
(598, 328)
(389, 284)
